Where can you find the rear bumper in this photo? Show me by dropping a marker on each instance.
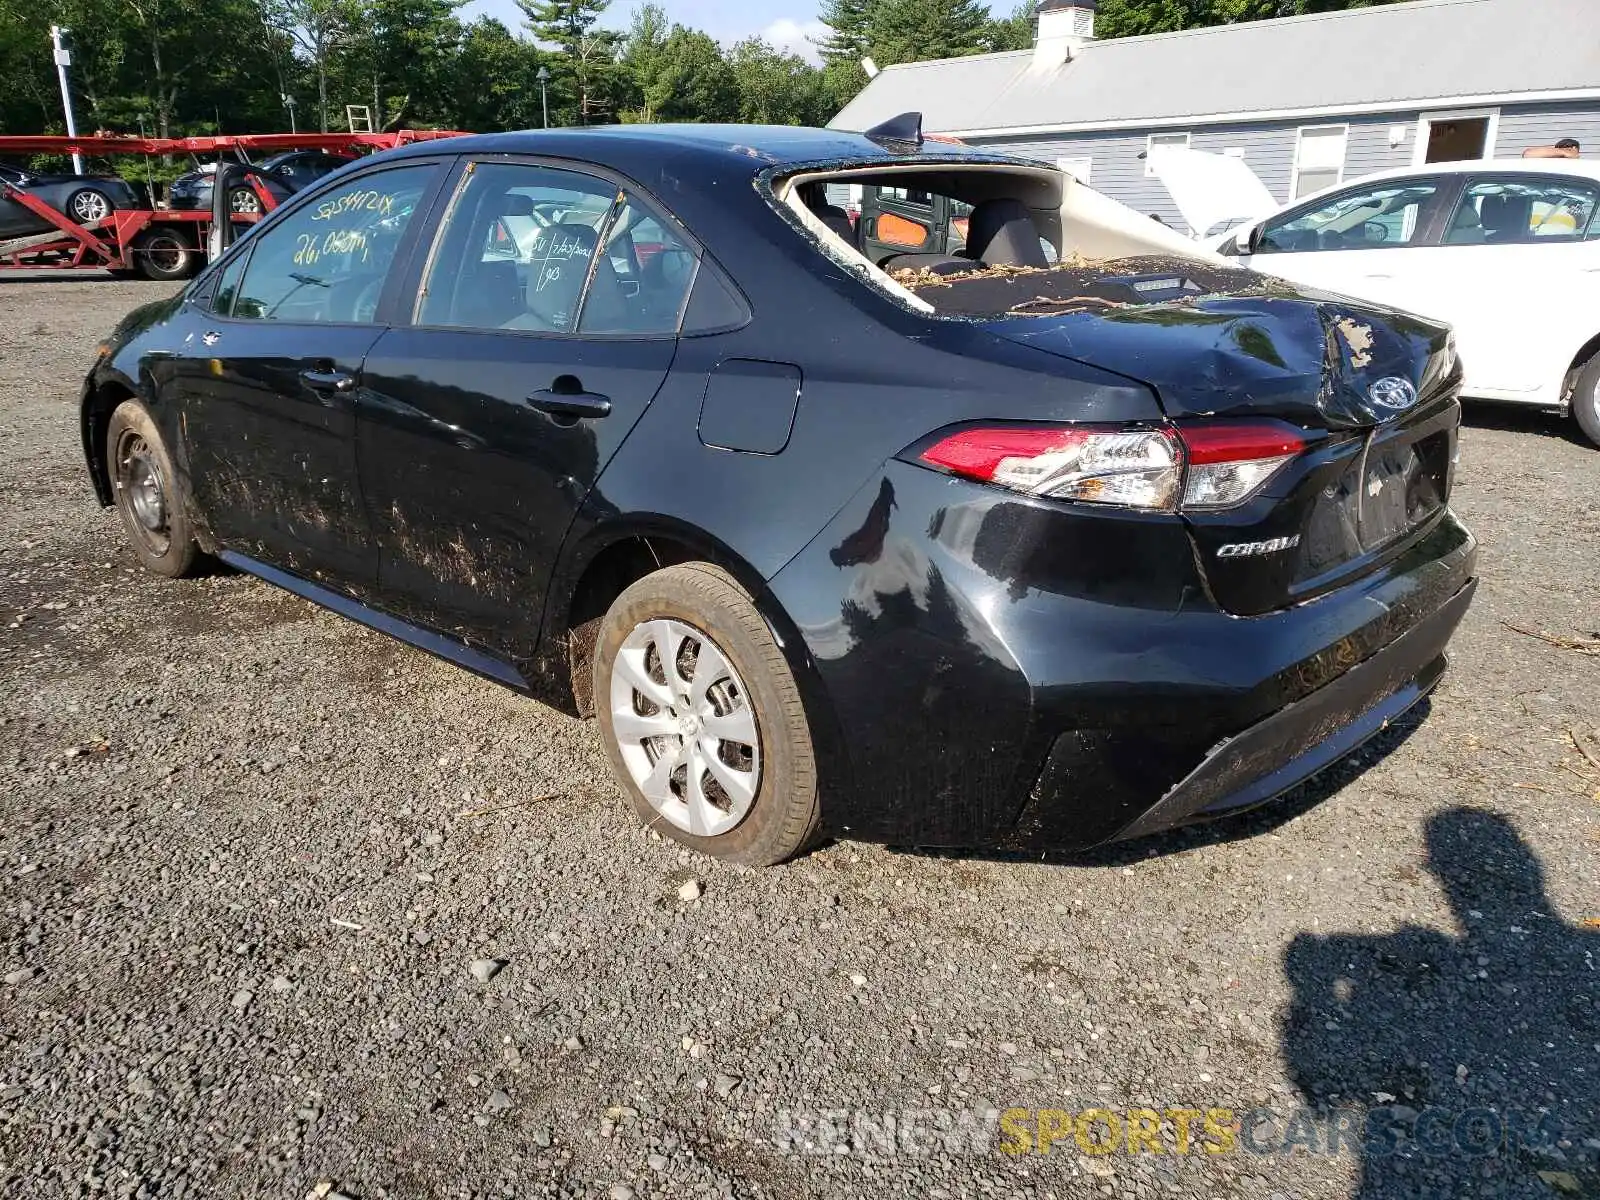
(1277, 753)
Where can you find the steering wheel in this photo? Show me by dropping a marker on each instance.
(1375, 231)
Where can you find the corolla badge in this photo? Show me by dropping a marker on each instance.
(1392, 394)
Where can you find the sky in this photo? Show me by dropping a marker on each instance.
(785, 23)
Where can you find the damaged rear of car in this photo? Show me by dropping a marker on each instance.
(1187, 593)
(1047, 529)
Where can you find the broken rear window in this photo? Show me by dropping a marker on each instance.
(991, 239)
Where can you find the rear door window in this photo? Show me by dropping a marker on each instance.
(539, 249)
(1525, 211)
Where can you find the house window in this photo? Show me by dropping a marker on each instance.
(1159, 143)
(1461, 136)
(1079, 168)
(1319, 159)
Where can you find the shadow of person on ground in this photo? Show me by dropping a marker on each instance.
(1464, 1065)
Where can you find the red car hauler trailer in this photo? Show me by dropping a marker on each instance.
(157, 243)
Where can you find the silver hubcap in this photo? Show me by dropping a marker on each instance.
(91, 206)
(683, 720)
(245, 202)
(139, 483)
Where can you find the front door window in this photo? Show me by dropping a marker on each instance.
(1394, 214)
(327, 262)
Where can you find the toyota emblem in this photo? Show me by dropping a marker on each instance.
(1392, 394)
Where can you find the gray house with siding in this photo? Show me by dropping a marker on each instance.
(1307, 102)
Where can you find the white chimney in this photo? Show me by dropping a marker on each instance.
(1064, 27)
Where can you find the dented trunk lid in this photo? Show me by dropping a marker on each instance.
(1373, 389)
(1215, 341)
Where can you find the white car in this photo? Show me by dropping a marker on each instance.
(1506, 251)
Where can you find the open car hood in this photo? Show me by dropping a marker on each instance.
(1214, 192)
(1221, 341)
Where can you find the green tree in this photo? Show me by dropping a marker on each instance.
(681, 76)
(1129, 18)
(497, 84)
(1014, 32)
(777, 88)
(404, 57)
(903, 31)
(320, 29)
(849, 25)
(26, 99)
(842, 79)
(640, 60)
(588, 60)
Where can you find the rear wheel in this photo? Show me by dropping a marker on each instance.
(164, 254)
(145, 489)
(1586, 400)
(244, 200)
(702, 719)
(89, 206)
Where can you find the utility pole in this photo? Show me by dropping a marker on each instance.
(63, 61)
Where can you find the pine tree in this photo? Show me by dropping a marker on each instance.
(903, 31)
(849, 24)
(1014, 32)
(588, 54)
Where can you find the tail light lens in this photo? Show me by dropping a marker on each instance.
(1139, 468)
(1202, 466)
(1230, 461)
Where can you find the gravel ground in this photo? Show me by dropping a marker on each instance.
(288, 909)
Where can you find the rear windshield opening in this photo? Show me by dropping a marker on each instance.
(974, 240)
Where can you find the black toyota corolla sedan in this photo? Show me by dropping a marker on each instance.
(1066, 536)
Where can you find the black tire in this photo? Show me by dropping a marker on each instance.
(164, 255)
(89, 206)
(784, 817)
(1586, 400)
(145, 488)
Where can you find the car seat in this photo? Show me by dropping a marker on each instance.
(607, 308)
(1466, 228)
(488, 295)
(815, 197)
(1507, 218)
(557, 271)
(1001, 233)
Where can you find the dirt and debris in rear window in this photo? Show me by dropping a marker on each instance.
(1077, 285)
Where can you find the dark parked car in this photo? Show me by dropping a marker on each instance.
(282, 174)
(972, 550)
(86, 199)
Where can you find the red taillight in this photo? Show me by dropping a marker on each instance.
(1138, 468)
(1206, 465)
(1230, 461)
(1233, 441)
(977, 453)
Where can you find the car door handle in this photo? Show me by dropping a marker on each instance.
(328, 381)
(571, 405)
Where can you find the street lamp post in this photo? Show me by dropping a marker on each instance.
(63, 58)
(544, 96)
(289, 103)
